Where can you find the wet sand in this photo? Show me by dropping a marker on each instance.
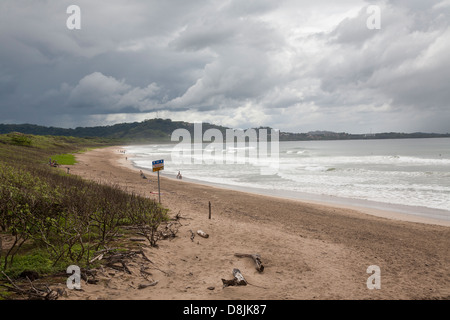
(309, 250)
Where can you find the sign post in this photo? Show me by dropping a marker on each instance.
(157, 167)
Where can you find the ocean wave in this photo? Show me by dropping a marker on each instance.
(375, 160)
(420, 180)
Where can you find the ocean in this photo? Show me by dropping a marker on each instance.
(406, 175)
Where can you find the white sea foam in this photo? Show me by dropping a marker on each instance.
(413, 172)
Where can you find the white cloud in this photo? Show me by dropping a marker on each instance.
(442, 4)
(98, 92)
(292, 63)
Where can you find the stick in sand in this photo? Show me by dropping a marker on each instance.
(209, 210)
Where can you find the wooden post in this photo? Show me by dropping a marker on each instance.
(210, 210)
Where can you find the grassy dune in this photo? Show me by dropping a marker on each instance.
(49, 219)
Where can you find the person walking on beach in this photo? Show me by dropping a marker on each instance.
(179, 176)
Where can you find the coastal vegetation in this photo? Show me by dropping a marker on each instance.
(50, 219)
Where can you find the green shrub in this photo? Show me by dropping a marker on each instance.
(20, 139)
(67, 217)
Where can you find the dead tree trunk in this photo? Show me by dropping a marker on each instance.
(238, 280)
(256, 258)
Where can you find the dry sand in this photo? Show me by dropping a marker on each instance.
(310, 251)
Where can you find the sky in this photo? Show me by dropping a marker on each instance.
(347, 66)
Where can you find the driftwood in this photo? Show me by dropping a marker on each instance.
(238, 280)
(203, 234)
(137, 240)
(144, 272)
(170, 230)
(101, 254)
(99, 257)
(118, 261)
(179, 217)
(256, 258)
(192, 235)
(143, 286)
(123, 267)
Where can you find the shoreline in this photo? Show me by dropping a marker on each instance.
(309, 251)
(379, 209)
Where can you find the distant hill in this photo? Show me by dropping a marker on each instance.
(160, 130)
(328, 135)
(153, 130)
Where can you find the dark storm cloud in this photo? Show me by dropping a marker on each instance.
(295, 65)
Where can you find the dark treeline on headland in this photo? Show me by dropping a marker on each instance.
(162, 129)
(148, 130)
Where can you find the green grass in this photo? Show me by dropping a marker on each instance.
(37, 260)
(64, 159)
(52, 142)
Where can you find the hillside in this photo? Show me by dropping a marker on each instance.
(153, 130)
(160, 130)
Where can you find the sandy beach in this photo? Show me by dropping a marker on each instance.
(309, 250)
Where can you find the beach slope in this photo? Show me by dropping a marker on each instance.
(309, 251)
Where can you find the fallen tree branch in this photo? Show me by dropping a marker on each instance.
(144, 256)
(145, 273)
(256, 258)
(32, 293)
(12, 282)
(178, 217)
(99, 257)
(143, 286)
(137, 240)
(170, 230)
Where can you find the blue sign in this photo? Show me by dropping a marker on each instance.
(158, 165)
